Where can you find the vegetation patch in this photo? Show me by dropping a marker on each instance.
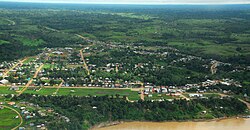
(30, 42)
(8, 119)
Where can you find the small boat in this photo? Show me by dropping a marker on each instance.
(246, 116)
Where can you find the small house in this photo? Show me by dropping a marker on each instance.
(14, 88)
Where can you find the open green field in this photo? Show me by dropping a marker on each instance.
(30, 42)
(5, 90)
(44, 91)
(7, 119)
(29, 60)
(132, 95)
(209, 48)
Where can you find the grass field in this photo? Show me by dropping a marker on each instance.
(132, 95)
(30, 42)
(5, 90)
(44, 91)
(205, 47)
(29, 60)
(47, 66)
(7, 119)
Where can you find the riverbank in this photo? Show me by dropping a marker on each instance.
(107, 124)
(231, 123)
(113, 123)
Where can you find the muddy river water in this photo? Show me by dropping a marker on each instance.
(225, 124)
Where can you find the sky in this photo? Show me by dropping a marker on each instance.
(140, 1)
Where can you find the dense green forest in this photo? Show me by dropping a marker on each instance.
(85, 112)
(197, 30)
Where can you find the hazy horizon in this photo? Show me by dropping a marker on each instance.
(135, 1)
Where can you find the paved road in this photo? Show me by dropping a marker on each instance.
(19, 115)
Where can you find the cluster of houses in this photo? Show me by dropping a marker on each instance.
(46, 111)
(28, 112)
(207, 83)
(149, 89)
(72, 58)
(4, 66)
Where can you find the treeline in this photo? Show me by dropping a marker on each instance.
(13, 51)
(85, 112)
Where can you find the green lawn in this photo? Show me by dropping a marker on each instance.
(47, 66)
(5, 90)
(43, 91)
(29, 60)
(7, 119)
(132, 95)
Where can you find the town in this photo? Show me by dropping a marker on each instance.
(83, 66)
(72, 68)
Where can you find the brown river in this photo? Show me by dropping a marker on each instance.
(225, 124)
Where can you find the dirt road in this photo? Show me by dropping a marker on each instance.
(183, 96)
(80, 36)
(31, 80)
(14, 66)
(84, 62)
(142, 91)
(58, 87)
(213, 68)
(247, 103)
